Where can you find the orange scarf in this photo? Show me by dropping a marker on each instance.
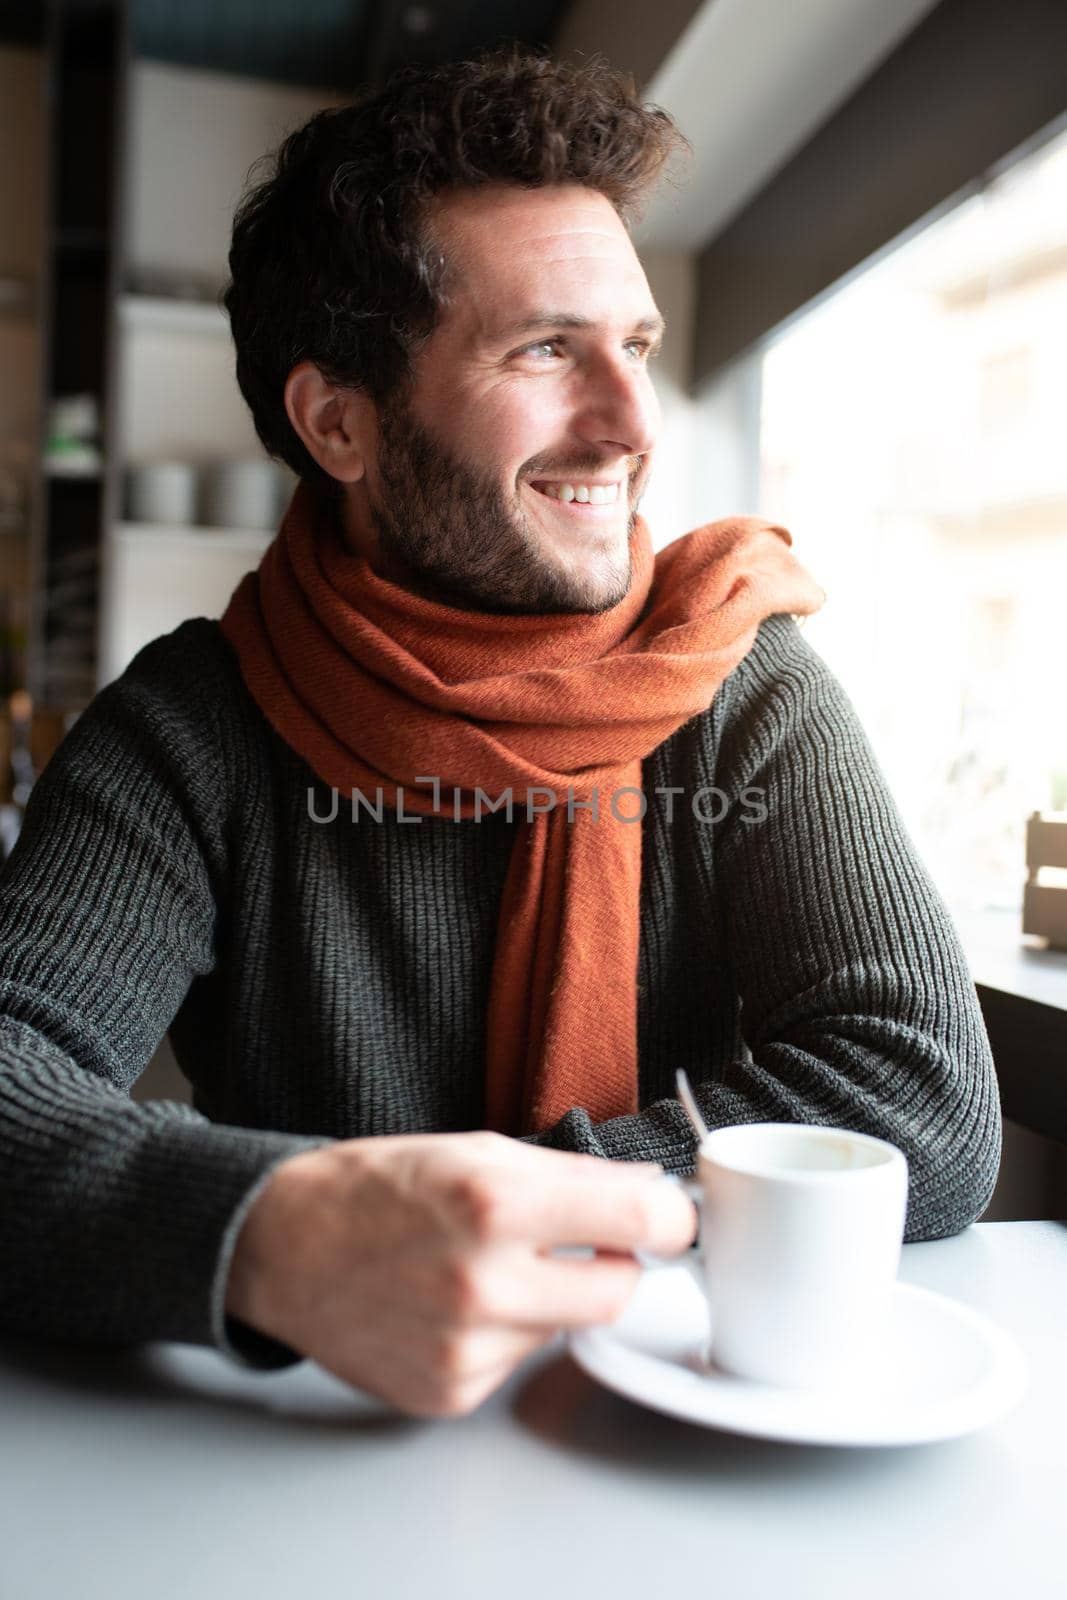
(378, 688)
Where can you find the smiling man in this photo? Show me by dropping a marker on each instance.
(469, 824)
(509, 477)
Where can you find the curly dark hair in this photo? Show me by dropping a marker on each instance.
(332, 257)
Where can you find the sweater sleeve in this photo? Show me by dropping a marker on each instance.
(117, 1219)
(857, 1006)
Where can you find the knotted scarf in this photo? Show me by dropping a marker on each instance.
(379, 689)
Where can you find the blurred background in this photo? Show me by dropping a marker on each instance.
(864, 272)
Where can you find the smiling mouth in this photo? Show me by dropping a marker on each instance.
(577, 494)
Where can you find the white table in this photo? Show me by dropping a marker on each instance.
(161, 1473)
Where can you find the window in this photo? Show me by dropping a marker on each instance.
(913, 436)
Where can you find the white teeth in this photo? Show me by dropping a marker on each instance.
(596, 494)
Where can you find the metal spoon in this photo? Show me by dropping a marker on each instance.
(692, 1110)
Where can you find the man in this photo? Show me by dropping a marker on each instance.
(468, 825)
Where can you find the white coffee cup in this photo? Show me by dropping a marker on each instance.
(801, 1232)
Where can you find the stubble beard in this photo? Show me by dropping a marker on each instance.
(449, 530)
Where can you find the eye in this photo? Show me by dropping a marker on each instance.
(641, 348)
(553, 346)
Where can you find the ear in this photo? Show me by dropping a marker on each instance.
(335, 425)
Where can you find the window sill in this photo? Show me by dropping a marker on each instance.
(1013, 963)
(1022, 989)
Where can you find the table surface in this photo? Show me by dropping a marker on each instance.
(163, 1471)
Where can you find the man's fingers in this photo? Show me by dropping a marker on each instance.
(631, 1212)
(498, 1350)
(548, 1292)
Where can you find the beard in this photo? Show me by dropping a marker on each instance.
(449, 529)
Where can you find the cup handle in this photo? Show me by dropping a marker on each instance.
(694, 1190)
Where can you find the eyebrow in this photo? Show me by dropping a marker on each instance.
(568, 319)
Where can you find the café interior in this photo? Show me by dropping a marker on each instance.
(863, 268)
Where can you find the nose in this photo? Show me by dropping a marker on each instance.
(618, 406)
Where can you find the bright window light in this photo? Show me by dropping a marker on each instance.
(914, 439)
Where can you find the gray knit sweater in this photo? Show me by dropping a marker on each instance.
(329, 979)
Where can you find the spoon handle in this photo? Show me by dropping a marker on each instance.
(692, 1110)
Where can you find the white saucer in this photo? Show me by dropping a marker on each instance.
(941, 1370)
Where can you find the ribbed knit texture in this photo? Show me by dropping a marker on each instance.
(570, 703)
(329, 979)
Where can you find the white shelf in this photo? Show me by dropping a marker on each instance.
(178, 401)
(156, 575)
(160, 314)
(197, 536)
(56, 469)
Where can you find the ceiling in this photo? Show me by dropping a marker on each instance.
(331, 43)
(749, 81)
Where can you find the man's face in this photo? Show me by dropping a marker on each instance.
(534, 384)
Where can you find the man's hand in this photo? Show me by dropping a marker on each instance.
(418, 1267)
